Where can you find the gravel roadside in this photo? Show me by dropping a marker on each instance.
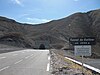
(61, 67)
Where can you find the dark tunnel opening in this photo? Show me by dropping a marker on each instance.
(42, 46)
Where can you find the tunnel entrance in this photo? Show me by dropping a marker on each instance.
(42, 46)
(38, 44)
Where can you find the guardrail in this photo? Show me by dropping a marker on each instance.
(93, 69)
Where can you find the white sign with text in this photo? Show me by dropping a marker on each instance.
(82, 50)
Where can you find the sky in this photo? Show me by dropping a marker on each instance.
(41, 11)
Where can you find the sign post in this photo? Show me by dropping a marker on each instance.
(82, 65)
(82, 47)
(82, 50)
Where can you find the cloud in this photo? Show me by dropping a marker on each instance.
(24, 15)
(36, 20)
(17, 2)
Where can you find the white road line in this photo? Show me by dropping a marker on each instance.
(19, 61)
(15, 54)
(4, 68)
(27, 57)
(48, 57)
(48, 66)
(85, 65)
(2, 57)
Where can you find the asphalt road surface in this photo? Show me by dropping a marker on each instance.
(25, 62)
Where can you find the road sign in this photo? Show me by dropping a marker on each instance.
(84, 50)
(83, 41)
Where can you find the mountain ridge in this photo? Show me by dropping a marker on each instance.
(56, 31)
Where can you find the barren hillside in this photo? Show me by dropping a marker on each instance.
(57, 32)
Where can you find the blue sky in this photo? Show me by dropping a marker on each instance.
(41, 11)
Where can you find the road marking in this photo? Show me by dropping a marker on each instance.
(15, 54)
(48, 57)
(85, 65)
(27, 57)
(48, 66)
(2, 57)
(19, 61)
(4, 68)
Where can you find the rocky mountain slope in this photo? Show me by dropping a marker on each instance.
(57, 32)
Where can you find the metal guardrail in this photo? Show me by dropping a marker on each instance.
(93, 69)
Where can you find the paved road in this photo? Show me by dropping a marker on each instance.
(25, 62)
